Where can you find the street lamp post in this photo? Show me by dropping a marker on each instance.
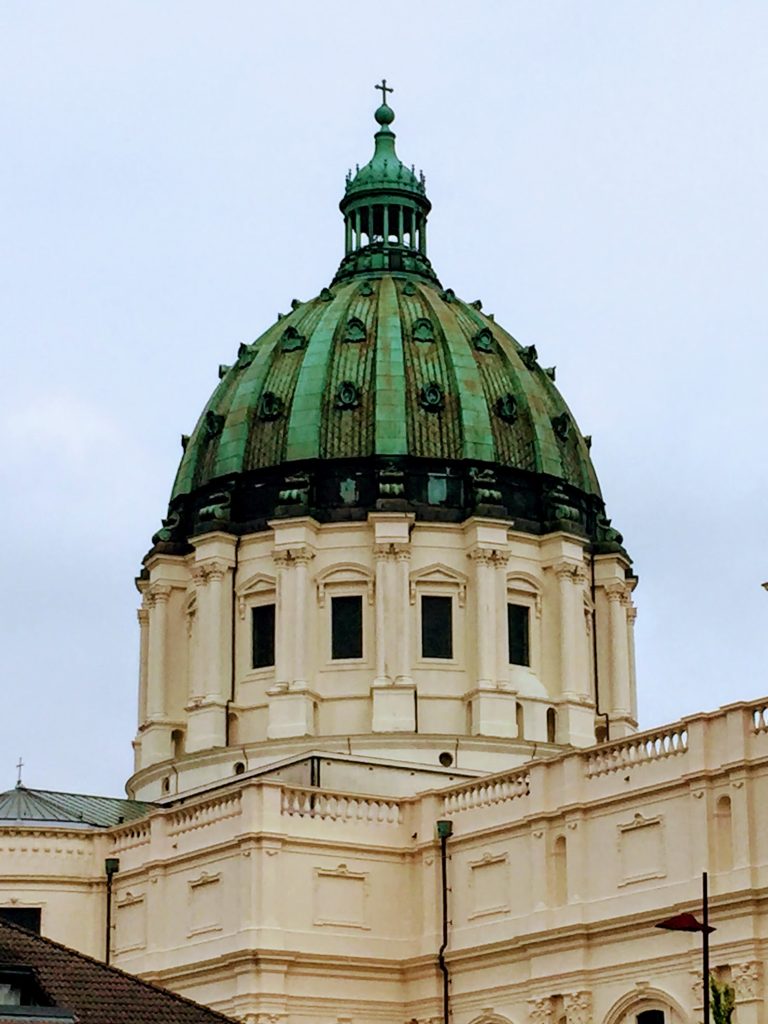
(688, 923)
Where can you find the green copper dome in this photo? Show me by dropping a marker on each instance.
(386, 391)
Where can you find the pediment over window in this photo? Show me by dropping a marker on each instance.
(344, 574)
(441, 577)
(261, 584)
(523, 582)
(526, 586)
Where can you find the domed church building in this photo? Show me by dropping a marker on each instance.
(387, 768)
(385, 534)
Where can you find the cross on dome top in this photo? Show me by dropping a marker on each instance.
(384, 89)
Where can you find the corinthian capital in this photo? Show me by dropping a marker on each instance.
(540, 1010)
(158, 593)
(617, 592)
(571, 571)
(483, 556)
(746, 979)
(578, 1007)
(302, 556)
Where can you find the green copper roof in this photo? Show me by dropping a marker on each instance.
(385, 171)
(386, 366)
(385, 391)
(37, 806)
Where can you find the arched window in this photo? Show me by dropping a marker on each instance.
(650, 1017)
(560, 872)
(551, 725)
(233, 730)
(177, 743)
(723, 835)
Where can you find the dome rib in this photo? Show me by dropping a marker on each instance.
(304, 424)
(475, 421)
(391, 431)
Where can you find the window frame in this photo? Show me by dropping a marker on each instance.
(439, 580)
(345, 579)
(257, 590)
(253, 609)
(527, 608)
(452, 620)
(347, 659)
(525, 590)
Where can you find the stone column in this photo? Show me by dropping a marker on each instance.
(403, 556)
(214, 629)
(570, 580)
(631, 617)
(500, 560)
(537, 847)
(747, 981)
(291, 708)
(622, 704)
(283, 643)
(143, 616)
(486, 616)
(212, 672)
(381, 553)
(157, 602)
(301, 560)
(195, 693)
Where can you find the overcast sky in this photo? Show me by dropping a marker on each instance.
(169, 182)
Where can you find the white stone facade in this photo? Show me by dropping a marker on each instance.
(199, 694)
(302, 904)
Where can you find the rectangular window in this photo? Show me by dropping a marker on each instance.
(25, 917)
(263, 647)
(346, 627)
(436, 627)
(517, 634)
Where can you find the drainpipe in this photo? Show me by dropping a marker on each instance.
(232, 657)
(444, 831)
(111, 867)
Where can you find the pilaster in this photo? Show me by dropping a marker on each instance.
(484, 560)
(403, 565)
(618, 597)
(213, 576)
(571, 579)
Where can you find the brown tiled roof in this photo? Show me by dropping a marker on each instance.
(95, 993)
